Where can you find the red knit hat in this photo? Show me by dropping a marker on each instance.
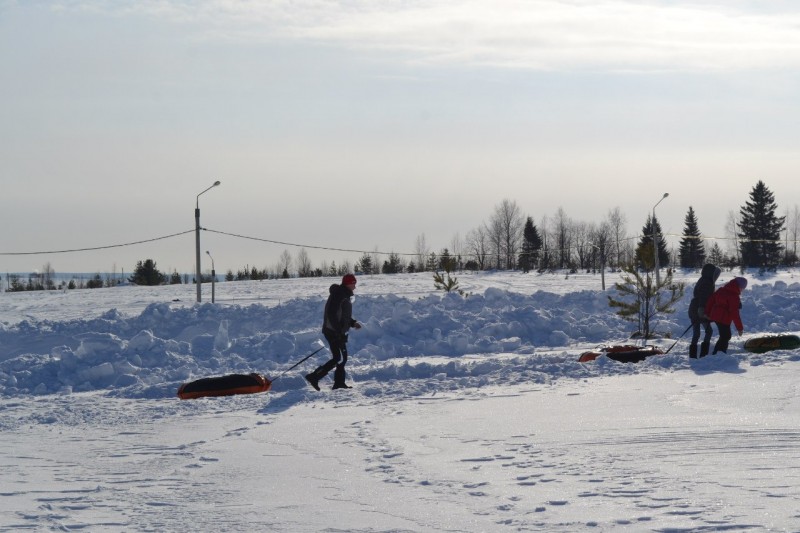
(349, 279)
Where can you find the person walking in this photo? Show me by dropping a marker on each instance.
(723, 308)
(703, 290)
(337, 321)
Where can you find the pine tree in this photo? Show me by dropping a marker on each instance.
(641, 299)
(716, 255)
(644, 250)
(760, 229)
(146, 273)
(364, 265)
(393, 265)
(692, 251)
(531, 245)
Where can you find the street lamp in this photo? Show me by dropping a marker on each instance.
(213, 276)
(655, 239)
(198, 278)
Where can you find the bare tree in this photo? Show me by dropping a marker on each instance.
(792, 227)
(732, 235)
(505, 227)
(582, 240)
(616, 221)
(285, 264)
(456, 250)
(48, 273)
(376, 261)
(304, 268)
(562, 235)
(477, 246)
(547, 253)
(422, 251)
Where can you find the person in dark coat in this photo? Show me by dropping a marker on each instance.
(337, 321)
(723, 308)
(703, 290)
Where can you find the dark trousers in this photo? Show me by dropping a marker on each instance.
(696, 324)
(724, 337)
(338, 360)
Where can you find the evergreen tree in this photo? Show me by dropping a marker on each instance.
(644, 250)
(393, 265)
(146, 273)
(692, 251)
(641, 299)
(432, 262)
(447, 262)
(364, 265)
(716, 255)
(531, 246)
(760, 229)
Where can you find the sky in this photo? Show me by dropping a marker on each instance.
(361, 125)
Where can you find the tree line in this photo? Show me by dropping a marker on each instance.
(509, 240)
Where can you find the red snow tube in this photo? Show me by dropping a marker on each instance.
(625, 354)
(224, 386)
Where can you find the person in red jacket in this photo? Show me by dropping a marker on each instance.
(723, 308)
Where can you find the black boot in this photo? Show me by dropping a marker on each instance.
(341, 386)
(313, 380)
(704, 348)
(693, 351)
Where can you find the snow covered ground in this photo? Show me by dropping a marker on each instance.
(468, 413)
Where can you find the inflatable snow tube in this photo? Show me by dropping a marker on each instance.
(772, 342)
(623, 354)
(224, 386)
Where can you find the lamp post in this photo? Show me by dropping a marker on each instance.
(198, 278)
(213, 276)
(655, 240)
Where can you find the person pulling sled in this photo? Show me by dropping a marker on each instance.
(697, 310)
(337, 321)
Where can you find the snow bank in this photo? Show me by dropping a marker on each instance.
(493, 337)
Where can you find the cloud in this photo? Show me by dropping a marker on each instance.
(535, 34)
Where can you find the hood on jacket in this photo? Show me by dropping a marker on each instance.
(710, 272)
(336, 287)
(732, 286)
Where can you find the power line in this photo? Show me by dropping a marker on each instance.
(296, 245)
(349, 250)
(99, 247)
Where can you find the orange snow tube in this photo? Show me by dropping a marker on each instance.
(224, 386)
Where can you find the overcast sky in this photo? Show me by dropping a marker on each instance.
(362, 125)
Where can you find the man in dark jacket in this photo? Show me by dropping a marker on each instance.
(697, 309)
(336, 323)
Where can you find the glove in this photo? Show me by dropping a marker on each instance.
(357, 325)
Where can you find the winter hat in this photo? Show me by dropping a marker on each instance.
(349, 279)
(741, 282)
